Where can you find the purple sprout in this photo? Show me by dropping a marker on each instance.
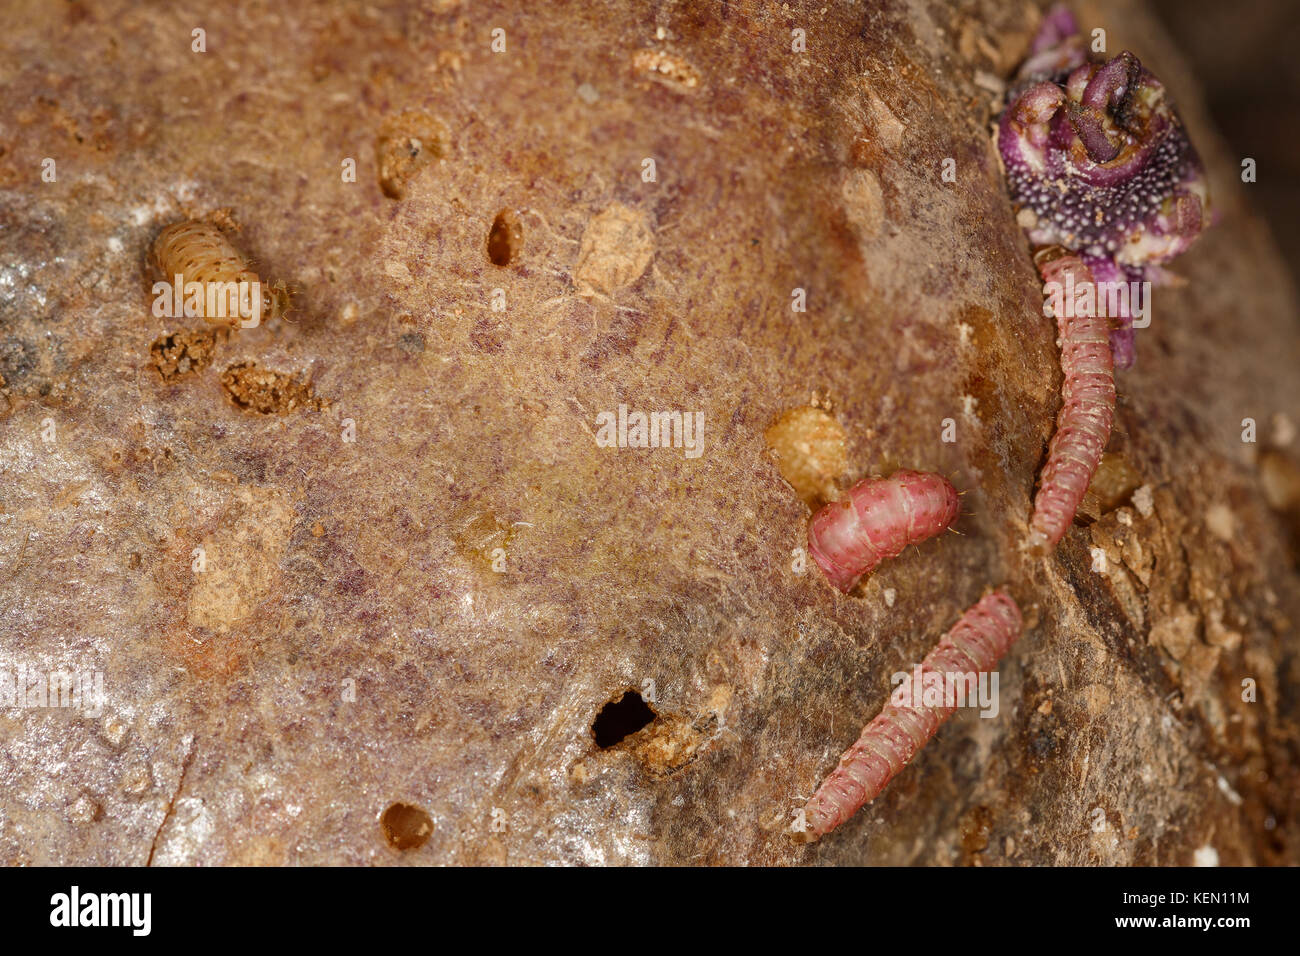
(1057, 48)
(1100, 163)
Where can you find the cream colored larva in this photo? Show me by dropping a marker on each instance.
(203, 275)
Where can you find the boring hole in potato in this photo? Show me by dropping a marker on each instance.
(621, 718)
(504, 238)
(405, 826)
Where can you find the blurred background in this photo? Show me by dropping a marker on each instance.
(1245, 57)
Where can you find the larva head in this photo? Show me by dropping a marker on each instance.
(277, 300)
(1037, 543)
(271, 303)
(835, 543)
(1101, 163)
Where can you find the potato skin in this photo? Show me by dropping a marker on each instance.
(320, 678)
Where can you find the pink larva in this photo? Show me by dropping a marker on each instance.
(877, 519)
(975, 645)
(1087, 410)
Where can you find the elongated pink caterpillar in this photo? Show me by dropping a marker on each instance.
(1087, 405)
(974, 646)
(877, 519)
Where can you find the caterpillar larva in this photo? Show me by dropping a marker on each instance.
(213, 275)
(1087, 406)
(974, 646)
(877, 519)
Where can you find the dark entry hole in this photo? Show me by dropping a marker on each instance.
(405, 826)
(621, 718)
(504, 239)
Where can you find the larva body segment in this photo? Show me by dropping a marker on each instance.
(877, 519)
(889, 743)
(1087, 409)
(199, 251)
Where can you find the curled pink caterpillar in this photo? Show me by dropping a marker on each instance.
(877, 519)
(1087, 404)
(974, 646)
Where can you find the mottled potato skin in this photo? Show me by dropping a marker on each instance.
(351, 645)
